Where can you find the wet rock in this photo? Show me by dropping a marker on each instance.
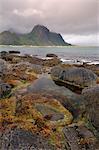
(79, 138)
(77, 77)
(52, 62)
(91, 96)
(14, 52)
(72, 101)
(14, 58)
(93, 67)
(36, 68)
(5, 89)
(33, 60)
(25, 140)
(20, 72)
(3, 54)
(51, 55)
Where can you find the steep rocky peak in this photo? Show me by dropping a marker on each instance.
(40, 28)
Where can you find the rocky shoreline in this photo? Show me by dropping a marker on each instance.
(48, 105)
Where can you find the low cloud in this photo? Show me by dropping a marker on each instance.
(68, 17)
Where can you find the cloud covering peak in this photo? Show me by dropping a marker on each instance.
(69, 17)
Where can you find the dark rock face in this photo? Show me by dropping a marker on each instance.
(74, 76)
(14, 52)
(4, 89)
(79, 138)
(39, 36)
(91, 96)
(20, 139)
(3, 54)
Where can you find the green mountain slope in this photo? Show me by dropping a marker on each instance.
(39, 36)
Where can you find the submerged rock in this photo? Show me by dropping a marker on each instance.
(77, 77)
(91, 96)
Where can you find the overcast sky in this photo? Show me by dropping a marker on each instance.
(76, 20)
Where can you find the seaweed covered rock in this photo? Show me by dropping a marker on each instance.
(50, 109)
(91, 96)
(74, 76)
(25, 120)
(20, 72)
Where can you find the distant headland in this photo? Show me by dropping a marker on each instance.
(39, 36)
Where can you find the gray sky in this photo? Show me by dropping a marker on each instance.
(76, 20)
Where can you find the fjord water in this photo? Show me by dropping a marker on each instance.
(90, 54)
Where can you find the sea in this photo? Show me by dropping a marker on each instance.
(67, 54)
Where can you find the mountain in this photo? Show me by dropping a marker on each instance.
(39, 36)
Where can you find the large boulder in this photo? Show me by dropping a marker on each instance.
(91, 96)
(70, 100)
(74, 76)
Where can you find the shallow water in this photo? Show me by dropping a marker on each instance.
(68, 54)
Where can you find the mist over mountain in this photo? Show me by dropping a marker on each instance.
(39, 36)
